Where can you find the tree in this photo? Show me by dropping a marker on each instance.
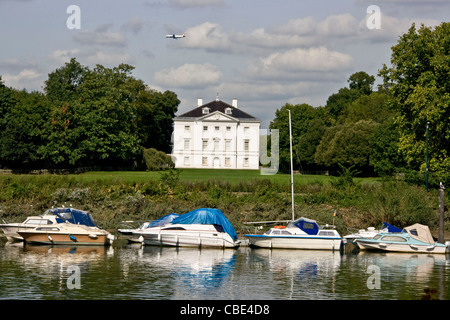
(420, 85)
(347, 145)
(24, 132)
(301, 115)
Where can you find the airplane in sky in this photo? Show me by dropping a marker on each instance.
(176, 36)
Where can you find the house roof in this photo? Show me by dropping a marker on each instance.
(220, 106)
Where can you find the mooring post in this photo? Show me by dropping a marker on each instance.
(441, 213)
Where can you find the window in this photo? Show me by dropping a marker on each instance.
(205, 110)
(187, 161)
(216, 128)
(205, 128)
(228, 111)
(227, 162)
(227, 145)
(246, 129)
(187, 144)
(204, 161)
(245, 162)
(216, 145)
(393, 238)
(326, 233)
(246, 144)
(204, 144)
(187, 128)
(228, 129)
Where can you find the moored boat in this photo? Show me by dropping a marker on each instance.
(134, 234)
(302, 233)
(73, 227)
(204, 227)
(415, 238)
(52, 217)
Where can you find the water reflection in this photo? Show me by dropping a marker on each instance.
(137, 272)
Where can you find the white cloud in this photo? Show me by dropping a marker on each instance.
(134, 25)
(299, 63)
(207, 35)
(107, 58)
(100, 36)
(60, 57)
(189, 76)
(27, 78)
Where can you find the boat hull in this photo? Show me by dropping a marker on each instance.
(394, 247)
(12, 231)
(190, 239)
(293, 242)
(50, 238)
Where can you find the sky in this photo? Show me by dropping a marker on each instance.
(263, 53)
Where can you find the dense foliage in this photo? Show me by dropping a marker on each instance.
(381, 131)
(98, 117)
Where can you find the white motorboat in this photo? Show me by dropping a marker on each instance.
(202, 227)
(416, 238)
(134, 234)
(299, 234)
(72, 226)
(52, 216)
(302, 233)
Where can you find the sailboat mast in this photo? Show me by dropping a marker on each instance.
(292, 166)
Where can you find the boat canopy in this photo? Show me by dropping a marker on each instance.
(207, 216)
(307, 225)
(168, 218)
(74, 216)
(390, 228)
(420, 232)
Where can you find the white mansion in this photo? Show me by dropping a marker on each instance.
(216, 135)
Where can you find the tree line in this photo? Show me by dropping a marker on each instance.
(381, 131)
(106, 117)
(85, 117)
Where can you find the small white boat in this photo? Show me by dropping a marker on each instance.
(415, 238)
(202, 227)
(299, 234)
(302, 233)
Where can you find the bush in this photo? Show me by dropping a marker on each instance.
(157, 160)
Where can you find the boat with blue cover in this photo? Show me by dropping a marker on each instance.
(302, 233)
(73, 227)
(203, 227)
(415, 238)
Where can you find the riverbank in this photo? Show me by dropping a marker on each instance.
(113, 197)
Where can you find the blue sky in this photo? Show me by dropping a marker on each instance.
(264, 53)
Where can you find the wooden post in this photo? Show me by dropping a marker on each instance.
(441, 213)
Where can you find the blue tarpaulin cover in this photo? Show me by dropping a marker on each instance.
(163, 220)
(390, 228)
(74, 216)
(207, 216)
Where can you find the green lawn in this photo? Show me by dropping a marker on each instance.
(232, 176)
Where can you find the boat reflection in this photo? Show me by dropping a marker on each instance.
(196, 273)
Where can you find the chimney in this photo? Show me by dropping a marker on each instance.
(234, 103)
(199, 102)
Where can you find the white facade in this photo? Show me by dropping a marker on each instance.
(216, 135)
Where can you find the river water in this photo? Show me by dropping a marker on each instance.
(123, 272)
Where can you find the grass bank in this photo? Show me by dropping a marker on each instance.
(242, 195)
